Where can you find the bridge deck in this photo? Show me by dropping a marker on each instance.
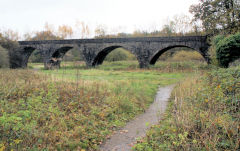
(117, 40)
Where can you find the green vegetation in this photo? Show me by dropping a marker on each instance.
(163, 66)
(4, 59)
(75, 108)
(181, 56)
(7, 49)
(217, 16)
(203, 114)
(72, 109)
(120, 54)
(227, 49)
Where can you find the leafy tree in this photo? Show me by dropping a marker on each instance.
(217, 15)
(227, 49)
(7, 48)
(7, 43)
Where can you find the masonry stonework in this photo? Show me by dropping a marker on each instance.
(146, 49)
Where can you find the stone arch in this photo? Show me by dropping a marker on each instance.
(155, 57)
(27, 51)
(56, 57)
(59, 53)
(104, 52)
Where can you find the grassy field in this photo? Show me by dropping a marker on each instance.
(164, 66)
(75, 108)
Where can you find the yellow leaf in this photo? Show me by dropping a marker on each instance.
(2, 148)
(17, 141)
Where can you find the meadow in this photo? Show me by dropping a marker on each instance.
(75, 108)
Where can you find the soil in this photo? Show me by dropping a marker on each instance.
(124, 139)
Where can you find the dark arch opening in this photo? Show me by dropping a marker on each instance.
(102, 55)
(59, 53)
(159, 53)
(28, 51)
(57, 57)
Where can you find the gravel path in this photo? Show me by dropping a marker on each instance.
(123, 139)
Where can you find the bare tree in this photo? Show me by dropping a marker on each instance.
(65, 31)
(100, 31)
(83, 28)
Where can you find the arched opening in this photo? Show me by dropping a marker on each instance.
(32, 55)
(176, 50)
(59, 53)
(57, 57)
(102, 55)
(115, 56)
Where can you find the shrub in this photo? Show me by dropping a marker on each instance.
(212, 49)
(10, 46)
(227, 49)
(4, 58)
(186, 55)
(120, 55)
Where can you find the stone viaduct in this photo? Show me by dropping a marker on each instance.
(146, 49)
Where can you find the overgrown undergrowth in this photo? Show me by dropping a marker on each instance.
(37, 113)
(203, 114)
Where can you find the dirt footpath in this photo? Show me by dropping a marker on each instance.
(123, 139)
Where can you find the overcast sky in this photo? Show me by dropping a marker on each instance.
(126, 15)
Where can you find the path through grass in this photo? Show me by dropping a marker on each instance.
(72, 109)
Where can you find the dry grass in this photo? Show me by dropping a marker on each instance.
(203, 115)
(36, 113)
(48, 112)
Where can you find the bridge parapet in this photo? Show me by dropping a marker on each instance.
(116, 40)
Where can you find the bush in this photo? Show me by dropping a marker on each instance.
(186, 55)
(35, 57)
(4, 58)
(212, 49)
(10, 46)
(227, 49)
(120, 54)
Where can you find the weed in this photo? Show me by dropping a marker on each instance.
(203, 114)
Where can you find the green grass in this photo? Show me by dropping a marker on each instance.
(164, 66)
(101, 75)
(119, 70)
(74, 107)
